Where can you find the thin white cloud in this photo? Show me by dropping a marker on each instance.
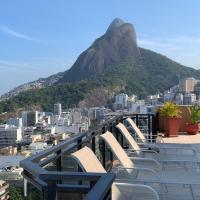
(19, 66)
(39, 64)
(17, 34)
(184, 49)
(155, 43)
(184, 40)
(170, 42)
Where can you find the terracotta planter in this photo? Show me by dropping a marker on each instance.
(171, 126)
(192, 129)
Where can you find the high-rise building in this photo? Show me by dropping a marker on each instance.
(57, 109)
(97, 113)
(187, 85)
(9, 135)
(197, 90)
(121, 101)
(76, 117)
(29, 118)
(189, 98)
(179, 99)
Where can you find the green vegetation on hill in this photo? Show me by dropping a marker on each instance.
(15, 194)
(151, 73)
(68, 94)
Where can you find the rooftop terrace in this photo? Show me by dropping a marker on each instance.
(57, 175)
(183, 138)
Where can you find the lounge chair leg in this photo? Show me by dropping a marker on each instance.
(192, 192)
(162, 191)
(163, 167)
(198, 166)
(185, 166)
(165, 186)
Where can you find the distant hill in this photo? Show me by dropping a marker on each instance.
(40, 83)
(113, 63)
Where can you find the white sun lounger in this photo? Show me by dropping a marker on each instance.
(88, 161)
(146, 175)
(131, 188)
(184, 155)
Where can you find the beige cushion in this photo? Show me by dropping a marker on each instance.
(88, 160)
(128, 137)
(136, 129)
(117, 150)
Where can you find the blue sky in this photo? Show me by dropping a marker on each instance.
(41, 37)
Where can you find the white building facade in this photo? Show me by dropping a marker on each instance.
(57, 109)
(121, 101)
(10, 135)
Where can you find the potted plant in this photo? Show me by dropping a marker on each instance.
(172, 119)
(194, 115)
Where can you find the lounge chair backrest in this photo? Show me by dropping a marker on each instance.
(117, 150)
(88, 160)
(128, 137)
(136, 129)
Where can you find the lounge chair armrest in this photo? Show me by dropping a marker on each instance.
(136, 185)
(148, 145)
(143, 151)
(167, 147)
(151, 171)
(179, 148)
(150, 151)
(148, 160)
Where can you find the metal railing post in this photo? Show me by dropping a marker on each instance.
(155, 124)
(104, 149)
(51, 190)
(111, 130)
(93, 143)
(79, 146)
(59, 161)
(137, 120)
(79, 142)
(115, 130)
(149, 128)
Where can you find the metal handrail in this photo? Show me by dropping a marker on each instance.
(35, 173)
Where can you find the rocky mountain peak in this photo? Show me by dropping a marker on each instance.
(117, 22)
(116, 45)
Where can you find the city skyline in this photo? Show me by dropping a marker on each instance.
(48, 42)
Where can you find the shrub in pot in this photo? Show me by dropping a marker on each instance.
(194, 115)
(171, 113)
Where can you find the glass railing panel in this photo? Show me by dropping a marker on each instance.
(34, 193)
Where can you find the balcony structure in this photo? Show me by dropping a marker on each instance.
(54, 174)
(57, 176)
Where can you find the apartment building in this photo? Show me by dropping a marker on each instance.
(9, 135)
